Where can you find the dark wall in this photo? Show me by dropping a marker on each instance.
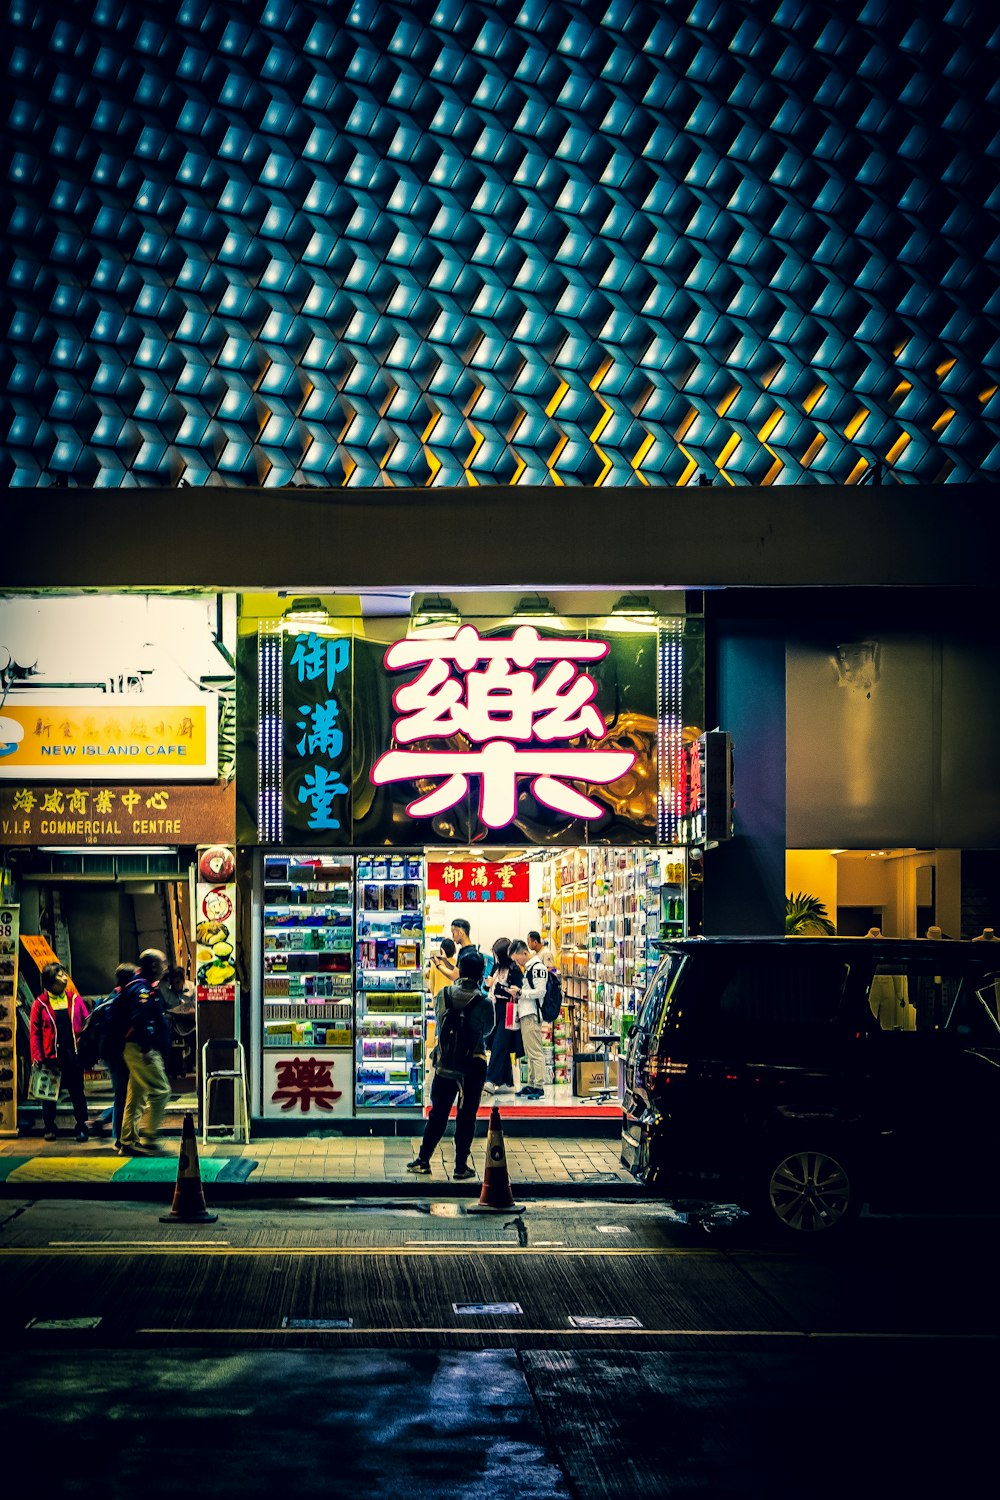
(894, 724)
(744, 879)
(837, 755)
(318, 541)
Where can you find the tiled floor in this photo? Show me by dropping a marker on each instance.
(376, 1159)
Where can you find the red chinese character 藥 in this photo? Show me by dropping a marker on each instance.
(305, 1081)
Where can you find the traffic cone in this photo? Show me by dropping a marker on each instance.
(189, 1195)
(496, 1196)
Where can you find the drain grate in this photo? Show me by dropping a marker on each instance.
(493, 1309)
(321, 1323)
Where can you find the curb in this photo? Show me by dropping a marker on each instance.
(262, 1193)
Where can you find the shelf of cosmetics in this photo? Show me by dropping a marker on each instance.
(388, 1068)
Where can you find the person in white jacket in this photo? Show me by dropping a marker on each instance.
(529, 1017)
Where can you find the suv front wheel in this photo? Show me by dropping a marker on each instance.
(809, 1193)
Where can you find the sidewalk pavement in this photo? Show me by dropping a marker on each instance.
(309, 1166)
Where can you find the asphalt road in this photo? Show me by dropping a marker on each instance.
(310, 1347)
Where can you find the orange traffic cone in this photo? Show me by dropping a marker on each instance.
(496, 1196)
(189, 1195)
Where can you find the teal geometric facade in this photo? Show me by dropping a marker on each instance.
(280, 242)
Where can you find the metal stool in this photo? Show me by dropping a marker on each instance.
(604, 1039)
(236, 1075)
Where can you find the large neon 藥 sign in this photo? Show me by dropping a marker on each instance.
(518, 723)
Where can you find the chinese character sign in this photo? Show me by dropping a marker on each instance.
(103, 814)
(73, 734)
(306, 1084)
(482, 881)
(522, 707)
(316, 739)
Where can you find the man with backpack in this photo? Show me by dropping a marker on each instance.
(100, 1041)
(139, 1024)
(529, 1017)
(464, 1020)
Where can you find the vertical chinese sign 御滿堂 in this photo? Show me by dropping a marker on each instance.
(316, 738)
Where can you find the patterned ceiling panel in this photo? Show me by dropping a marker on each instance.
(277, 242)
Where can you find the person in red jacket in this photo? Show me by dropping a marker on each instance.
(57, 1018)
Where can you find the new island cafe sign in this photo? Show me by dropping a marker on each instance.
(74, 734)
(145, 757)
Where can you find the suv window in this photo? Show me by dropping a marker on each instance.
(737, 998)
(918, 994)
(784, 993)
(664, 977)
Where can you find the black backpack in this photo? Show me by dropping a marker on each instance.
(455, 1041)
(92, 1039)
(552, 999)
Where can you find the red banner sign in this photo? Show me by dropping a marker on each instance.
(478, 880)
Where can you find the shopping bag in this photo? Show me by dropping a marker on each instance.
(510, 1019)
(44, 1082)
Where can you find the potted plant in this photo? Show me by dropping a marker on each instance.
(805, 916)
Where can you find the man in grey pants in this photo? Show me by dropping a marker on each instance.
(529, 1017)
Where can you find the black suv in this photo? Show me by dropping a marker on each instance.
(803, 1077)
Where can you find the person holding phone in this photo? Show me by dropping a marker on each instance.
(444, 969)
(504, 986)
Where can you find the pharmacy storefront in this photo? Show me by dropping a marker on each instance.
(521, 772)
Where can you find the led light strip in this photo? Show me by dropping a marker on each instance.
(270, 819)
(669, 727)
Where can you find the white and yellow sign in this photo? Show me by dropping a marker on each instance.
(81, 735)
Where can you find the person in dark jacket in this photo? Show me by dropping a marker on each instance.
(56, 1020)
(504, 984)
(464, 1083)
(139, 1019)
(114, 1060)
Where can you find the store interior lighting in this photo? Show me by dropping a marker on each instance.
(435, 609)
(535, 605)
(307, 609)
(102, 849)
(635, 605)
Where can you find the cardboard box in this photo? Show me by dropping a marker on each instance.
(589, 1076)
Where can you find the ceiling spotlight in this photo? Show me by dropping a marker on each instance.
(435, 609)
(305, 610)
(534, 604)
(636, 605)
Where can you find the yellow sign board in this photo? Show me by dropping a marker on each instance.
(73, 734)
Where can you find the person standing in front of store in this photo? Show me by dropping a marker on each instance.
(56, 1020)
(177, 993)
(141, 1019)
(504, 984)
(461, 934)
(529, 1015)
(443, 967)
(113, 1060)
(537, 949)
(464, 1077)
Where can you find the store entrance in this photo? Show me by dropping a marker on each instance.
(91, 923)
(345, 1023)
